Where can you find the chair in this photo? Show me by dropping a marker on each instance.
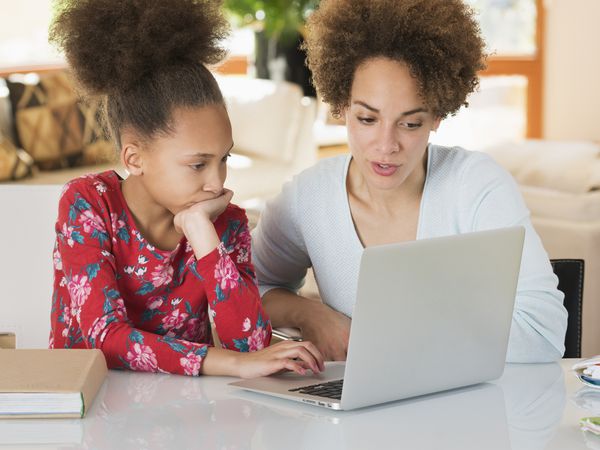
(570, 282)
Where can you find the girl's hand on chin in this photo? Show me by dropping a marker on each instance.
(206, 210)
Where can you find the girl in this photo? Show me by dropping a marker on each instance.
(140, 263)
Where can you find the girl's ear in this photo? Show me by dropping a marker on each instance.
(132, 154)
(131, 158)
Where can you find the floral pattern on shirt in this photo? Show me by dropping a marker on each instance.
(145, 308)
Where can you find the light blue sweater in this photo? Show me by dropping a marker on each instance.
(310, 224)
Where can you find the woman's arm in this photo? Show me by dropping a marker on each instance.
(281, 261)
(539, 319)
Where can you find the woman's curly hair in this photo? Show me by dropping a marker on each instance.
(143, 57)
(439, 40)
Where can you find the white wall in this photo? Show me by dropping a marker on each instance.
(572, 70)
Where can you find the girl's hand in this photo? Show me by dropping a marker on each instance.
(287, 355)
(206, 210)
(196, 223)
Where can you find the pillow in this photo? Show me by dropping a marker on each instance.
(568, 166)
(54, 125)
(14, 163)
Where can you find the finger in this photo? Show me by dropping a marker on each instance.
(319, 358)
(300, 352)
(294, 366)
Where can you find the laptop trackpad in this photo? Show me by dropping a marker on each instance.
(283, 382)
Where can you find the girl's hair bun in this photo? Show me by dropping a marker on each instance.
(112, 45)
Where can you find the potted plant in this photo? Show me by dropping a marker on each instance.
(278, 27)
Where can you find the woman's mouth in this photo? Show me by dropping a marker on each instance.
(384, 170)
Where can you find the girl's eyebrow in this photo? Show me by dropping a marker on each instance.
(206, 155)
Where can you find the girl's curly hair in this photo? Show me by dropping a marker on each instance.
(143, 57)
(439, 40)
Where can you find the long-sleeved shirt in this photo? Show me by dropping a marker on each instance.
(145, 308)
(310, 225)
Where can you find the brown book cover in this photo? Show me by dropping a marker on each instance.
(49, 383)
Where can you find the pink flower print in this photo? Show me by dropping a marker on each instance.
(142, 358)
(91, 222)
(191, 364)
(226, 274)
(174, 320)
(162, 274)
(243, 240)
(79, 289)
(97, 327)
(116, 223)
(66, 314)
(67, 233)
(246, 326)
(57, 259)
(100, 187)
(256, 341)
(192, 328)
(242, 256)
(154, 302)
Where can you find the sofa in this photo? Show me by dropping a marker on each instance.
(272, 130)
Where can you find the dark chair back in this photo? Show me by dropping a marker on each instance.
(570, 282)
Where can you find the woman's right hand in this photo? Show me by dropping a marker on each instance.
(328, 329)
(287, 355)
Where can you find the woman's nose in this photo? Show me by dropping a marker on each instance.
(388, 142)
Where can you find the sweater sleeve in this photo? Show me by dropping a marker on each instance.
(89, 271)
(280, 256)
(235, 305)
(492, 200)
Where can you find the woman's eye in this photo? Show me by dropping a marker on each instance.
(197, 166)
(411, 125)
(226, 157)
(366, 120)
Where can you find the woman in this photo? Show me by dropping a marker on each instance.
(394, 69)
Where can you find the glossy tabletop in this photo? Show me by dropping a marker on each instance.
(533, 406)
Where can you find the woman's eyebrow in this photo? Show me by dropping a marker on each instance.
(406, 113)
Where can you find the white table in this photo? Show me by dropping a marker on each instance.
(530, 407)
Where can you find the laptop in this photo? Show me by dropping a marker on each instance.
(430, 315)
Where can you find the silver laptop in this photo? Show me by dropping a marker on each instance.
(430, 315)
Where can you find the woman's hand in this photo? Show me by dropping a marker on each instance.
(287, 355)
(328, 329)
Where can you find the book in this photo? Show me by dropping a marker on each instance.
(59, 383)
(7, 340)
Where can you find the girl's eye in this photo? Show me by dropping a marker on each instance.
(197, 166)
(226, 157)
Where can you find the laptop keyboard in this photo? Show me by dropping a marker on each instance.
(331, 389)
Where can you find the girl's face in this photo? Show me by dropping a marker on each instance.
(188, 165)
(388, 124)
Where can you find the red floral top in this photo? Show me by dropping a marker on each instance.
(145, 308)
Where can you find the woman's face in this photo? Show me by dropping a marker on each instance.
(388, 124)
(188, 165)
